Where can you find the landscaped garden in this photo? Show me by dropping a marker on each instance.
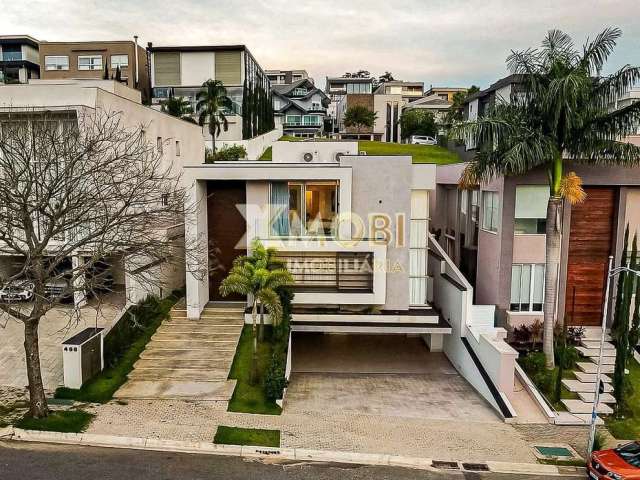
(420, 153)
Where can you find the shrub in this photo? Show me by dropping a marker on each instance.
(275, 381)
(533, 363)
(226, 154)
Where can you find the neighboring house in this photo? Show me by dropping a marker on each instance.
(180, 71)
(337, 87)
(286, 77)
(19, 60)
(353, 230)
(181, 142)
(388, 108)
(300, 108)
(408, 90)
(496, 233)
(89, 60)
(433, 104)
(445, 93)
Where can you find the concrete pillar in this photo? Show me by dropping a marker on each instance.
(79, 293)
(197, 249)
(434, 341)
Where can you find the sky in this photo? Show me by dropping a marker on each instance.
(442, 43)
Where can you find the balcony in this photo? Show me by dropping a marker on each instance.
(12, 56)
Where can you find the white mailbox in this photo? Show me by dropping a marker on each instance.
(82, 357)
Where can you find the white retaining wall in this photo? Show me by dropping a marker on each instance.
(255, 147)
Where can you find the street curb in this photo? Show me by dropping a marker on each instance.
(297, 454)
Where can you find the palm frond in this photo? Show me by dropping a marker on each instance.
(571, 188)
(602, 151)
(595, 53)
(557, 46)
(617, 84)
(271, 300)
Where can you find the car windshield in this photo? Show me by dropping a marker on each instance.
(630, 453)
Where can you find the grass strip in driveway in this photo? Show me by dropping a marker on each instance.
(249, 398)
(70, 421)
(247, 436)
(102, 387)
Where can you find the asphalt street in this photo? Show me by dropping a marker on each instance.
(31, 461)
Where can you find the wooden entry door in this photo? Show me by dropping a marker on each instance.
(227, 227)
(590, 244)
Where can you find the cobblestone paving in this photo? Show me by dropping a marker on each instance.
(54, 328)
(576, 436)
(13, 403)
(439, 439)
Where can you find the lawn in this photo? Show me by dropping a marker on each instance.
(70, 421)
(268, 154)
(628, 428)
(247, 436)
(420, 153)
(102, 387)
(249, 398)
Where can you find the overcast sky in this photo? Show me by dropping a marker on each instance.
(441, 42)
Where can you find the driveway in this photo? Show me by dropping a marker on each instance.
(392, 376)
(57, 325)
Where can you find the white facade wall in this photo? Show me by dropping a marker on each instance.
(197, 67)
(323, 152)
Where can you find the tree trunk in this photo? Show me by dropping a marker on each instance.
(38, 407)
(261, 331)
(253, 377)
(212, 131)
(552, 264)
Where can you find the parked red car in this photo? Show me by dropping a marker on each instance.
(622, 463)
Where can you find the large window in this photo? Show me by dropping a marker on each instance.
(490, 211)
(311, 120)
(531, 209)
(358, 88)
(303, 208)
(527, 287)
(90, 62)
(56, 62)
(293, 120)
(121, 61)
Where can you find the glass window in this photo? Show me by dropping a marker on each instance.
(311, 120)
(531, 209)
(527, 287)
(490, 211)
(12, 53)
(299, 209)
(90, 62)
(177, 148)
(299, 92)
(56, 62)
(159, 145)
(293, 120)
(121, 61)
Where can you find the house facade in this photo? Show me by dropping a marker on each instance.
(286, 77)
(409, 90)
(353, 231)
(337, 87)
(300, 108)
(93, 60)
(180, 71)
(179, 141)
(19, 59)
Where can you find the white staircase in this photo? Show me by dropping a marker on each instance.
(188, 359)
(585, 383)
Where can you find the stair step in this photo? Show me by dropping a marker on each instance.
(605, 360)
(182, 363)
(204, 321)
(169, 327)
(197, 335)
(595, 344)
(177, 390)
(178, 374)
(590, 367)
(191, 345)
(604, 398)
(581, 407)
(210, 354)
(595, 352)
(591, 377)
(577, 386)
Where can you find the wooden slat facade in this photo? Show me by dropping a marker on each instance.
(226, 227)
(590, 244)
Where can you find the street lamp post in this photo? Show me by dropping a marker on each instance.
(611, 272)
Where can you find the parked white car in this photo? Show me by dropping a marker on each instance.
(18, 291)
(423, 140)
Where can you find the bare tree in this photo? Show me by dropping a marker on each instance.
(78, 189)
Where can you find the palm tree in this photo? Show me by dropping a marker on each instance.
(561, 116)
(212, 106)
(258, 275)
(178, 107)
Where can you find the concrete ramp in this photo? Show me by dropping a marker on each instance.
(188, 359)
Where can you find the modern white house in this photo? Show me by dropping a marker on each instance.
(179, 142)
(354, 231)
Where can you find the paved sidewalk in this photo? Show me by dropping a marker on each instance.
(438, 439)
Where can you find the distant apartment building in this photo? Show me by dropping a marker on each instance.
(19, 59)
(180, 71)
(408, 90)
(286, 77)
(445, 93)
(337, 87)
(122, 60)
(300, 108)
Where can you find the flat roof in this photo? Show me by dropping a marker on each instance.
(196, 48)
(19, 40)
